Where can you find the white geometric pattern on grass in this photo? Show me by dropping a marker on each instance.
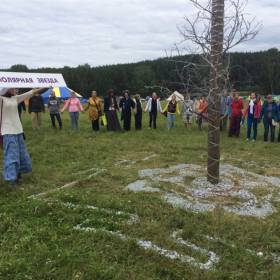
(132, 220)
(186, 187)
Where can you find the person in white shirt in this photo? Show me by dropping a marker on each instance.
(153, 106)
(16, 159)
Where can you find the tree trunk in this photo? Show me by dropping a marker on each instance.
(217, 37)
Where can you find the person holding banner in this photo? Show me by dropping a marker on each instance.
(16, 159)
(74, 106)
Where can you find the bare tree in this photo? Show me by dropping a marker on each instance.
(216, 27)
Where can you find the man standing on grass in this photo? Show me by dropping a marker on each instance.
(269, 115)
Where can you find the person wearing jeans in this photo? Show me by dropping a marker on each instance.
(269, 115)
(153, 106)
(253, 112)
(171, 109)
(54, 109)
(74, 107)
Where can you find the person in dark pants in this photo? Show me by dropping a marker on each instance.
(138, 112)
(54, 109)
(126, 105)
(153, 106)
(110, 109)
(269, 115)
(253, 112)
(236, 115)
(94, 108)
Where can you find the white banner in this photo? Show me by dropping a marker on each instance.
(30, 80)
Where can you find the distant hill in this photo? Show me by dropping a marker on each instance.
(258, 71)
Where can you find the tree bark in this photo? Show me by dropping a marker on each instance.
(217, 38)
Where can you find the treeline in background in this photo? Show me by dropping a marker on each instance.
(250, 71)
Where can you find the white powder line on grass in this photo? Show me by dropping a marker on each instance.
(87, 171)
(170, 254)
(133, 218)
(66, 186)
(128, 162)
(149, 157)
(265, 255)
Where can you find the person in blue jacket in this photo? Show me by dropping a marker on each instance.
(269, 115)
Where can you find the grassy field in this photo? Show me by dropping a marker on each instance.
(38, 236)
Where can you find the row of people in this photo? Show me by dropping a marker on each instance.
(232, 108)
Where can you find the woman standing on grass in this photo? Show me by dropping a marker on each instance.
(94, 108)
(16, 157)
(74, 107)
(172, 108)
(138, 112)
(126, 105)
(187, 111)
(236, 115)
(202, 111)
(253, 112)
(110, 109)
(54, 109)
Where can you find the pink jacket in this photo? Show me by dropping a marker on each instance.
(73, 105)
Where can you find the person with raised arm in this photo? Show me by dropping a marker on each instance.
(74, 107)
(153, 106)
(16, 159)
(94, 108)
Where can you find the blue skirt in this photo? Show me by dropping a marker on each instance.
(16, 157)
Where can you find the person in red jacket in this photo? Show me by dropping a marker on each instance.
(236, 115)
(253, 113)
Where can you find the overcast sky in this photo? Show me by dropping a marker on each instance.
(71, 32)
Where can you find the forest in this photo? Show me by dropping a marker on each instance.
(249, 71)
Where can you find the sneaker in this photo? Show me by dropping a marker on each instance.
(247, 139)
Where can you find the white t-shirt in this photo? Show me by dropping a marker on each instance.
(251, 106)
(11, 124)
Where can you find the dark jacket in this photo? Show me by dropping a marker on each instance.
(107, 103)
(264, 113)
(36, 104)
(127, 105)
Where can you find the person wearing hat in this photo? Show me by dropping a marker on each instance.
(269, 115)
(126, 105)
(16, 158)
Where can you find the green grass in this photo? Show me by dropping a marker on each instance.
(37, 237)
